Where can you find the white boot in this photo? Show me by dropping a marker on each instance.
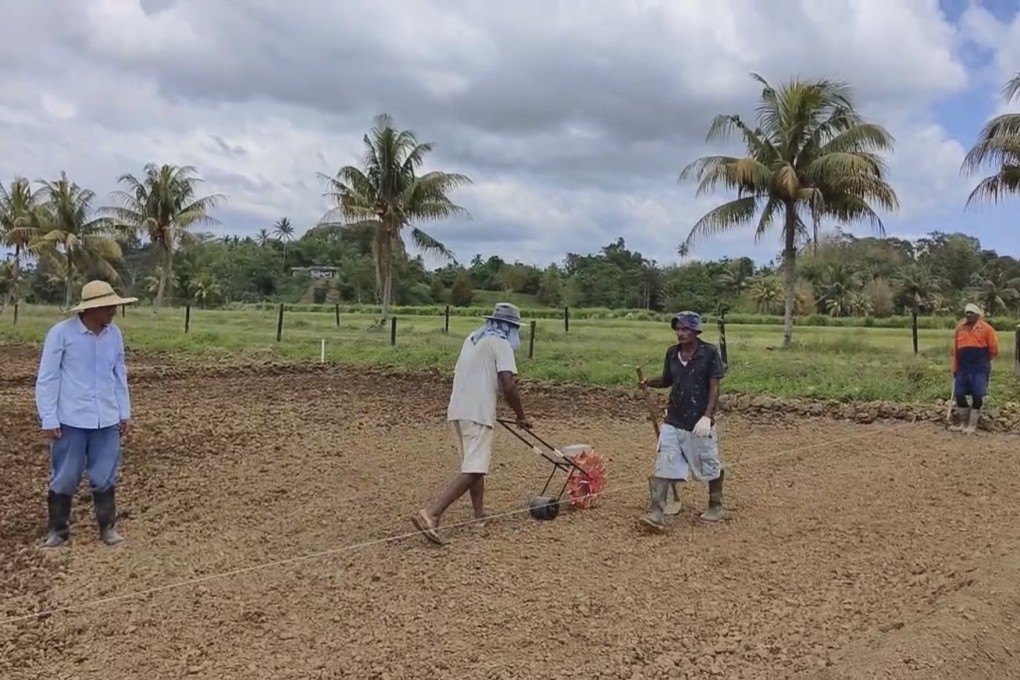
(961, 415)
(972, 421)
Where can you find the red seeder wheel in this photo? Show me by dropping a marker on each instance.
(584, 489)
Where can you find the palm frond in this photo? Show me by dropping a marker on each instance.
(995, 188)
(428, 244)
(723, 218)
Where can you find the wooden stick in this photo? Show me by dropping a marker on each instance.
(672, 507)
(652, 412)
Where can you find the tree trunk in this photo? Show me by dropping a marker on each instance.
(69, 282)
(164, 278)
(384, 274)
(16, 292)
(913, 327)
(789, 262)
(387, 291)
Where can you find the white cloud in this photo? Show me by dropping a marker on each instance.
(573, 124)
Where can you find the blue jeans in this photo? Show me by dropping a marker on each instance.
(77, 451)
(971, 384)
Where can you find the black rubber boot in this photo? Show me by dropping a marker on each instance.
(58, 529)
(715, 512)
(106, 515)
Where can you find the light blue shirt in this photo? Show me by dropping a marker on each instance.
(82, 379)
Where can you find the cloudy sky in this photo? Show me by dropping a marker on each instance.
(572, 117)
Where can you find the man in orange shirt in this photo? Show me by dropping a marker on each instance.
(974, 347)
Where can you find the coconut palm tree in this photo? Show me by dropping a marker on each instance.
(283, 231)
(19, 227)
(163, 204)
(389, 195)
(810, 155)
(69, 229)
(998, 146)
(766, 292)
(995, 290)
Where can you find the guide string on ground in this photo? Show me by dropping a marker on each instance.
(390, 539)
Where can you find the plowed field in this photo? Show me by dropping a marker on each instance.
(266, 516)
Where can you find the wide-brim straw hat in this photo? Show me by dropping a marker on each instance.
(99, 294)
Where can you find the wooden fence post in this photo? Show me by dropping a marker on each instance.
(393, 330)
(15, 321)
(913, 329)
(566, 319)
(447, 328)
(279, 324)
(722, 338)
(336, 309)
(531, 340)
(187, 317)
(1016, 353)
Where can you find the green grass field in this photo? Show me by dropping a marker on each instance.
(847, 364)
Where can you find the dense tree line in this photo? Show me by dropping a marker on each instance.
(811, 159)
(841, 275)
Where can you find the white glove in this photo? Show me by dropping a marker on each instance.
(703, 428)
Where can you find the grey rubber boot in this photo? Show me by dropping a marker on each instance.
(673, 505)
(715, 512)
(973, 418)
(961, 416)
(106, 516)
(658, 488)
(58, 529)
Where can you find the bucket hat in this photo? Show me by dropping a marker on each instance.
(689, 320)
(99, 294)
(505, 311)
(972, 308)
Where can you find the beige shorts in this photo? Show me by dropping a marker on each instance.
(474, 441)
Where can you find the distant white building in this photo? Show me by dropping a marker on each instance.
(316, 272)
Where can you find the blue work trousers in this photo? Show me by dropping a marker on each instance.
(971, 383)
(76, 451)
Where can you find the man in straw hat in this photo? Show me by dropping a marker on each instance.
(975, 345)
(485, 367)
(688, 445)
(82, 397)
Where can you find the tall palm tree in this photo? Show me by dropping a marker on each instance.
(811, 155)
(389, 195)
(283, 231)
(69, 229)
(19, 227)
(998, 146)
(163, 204)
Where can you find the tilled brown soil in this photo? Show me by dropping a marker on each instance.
(266, 516)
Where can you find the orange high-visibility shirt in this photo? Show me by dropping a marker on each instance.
(974, 347)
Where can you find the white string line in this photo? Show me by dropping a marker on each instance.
(387, 539)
